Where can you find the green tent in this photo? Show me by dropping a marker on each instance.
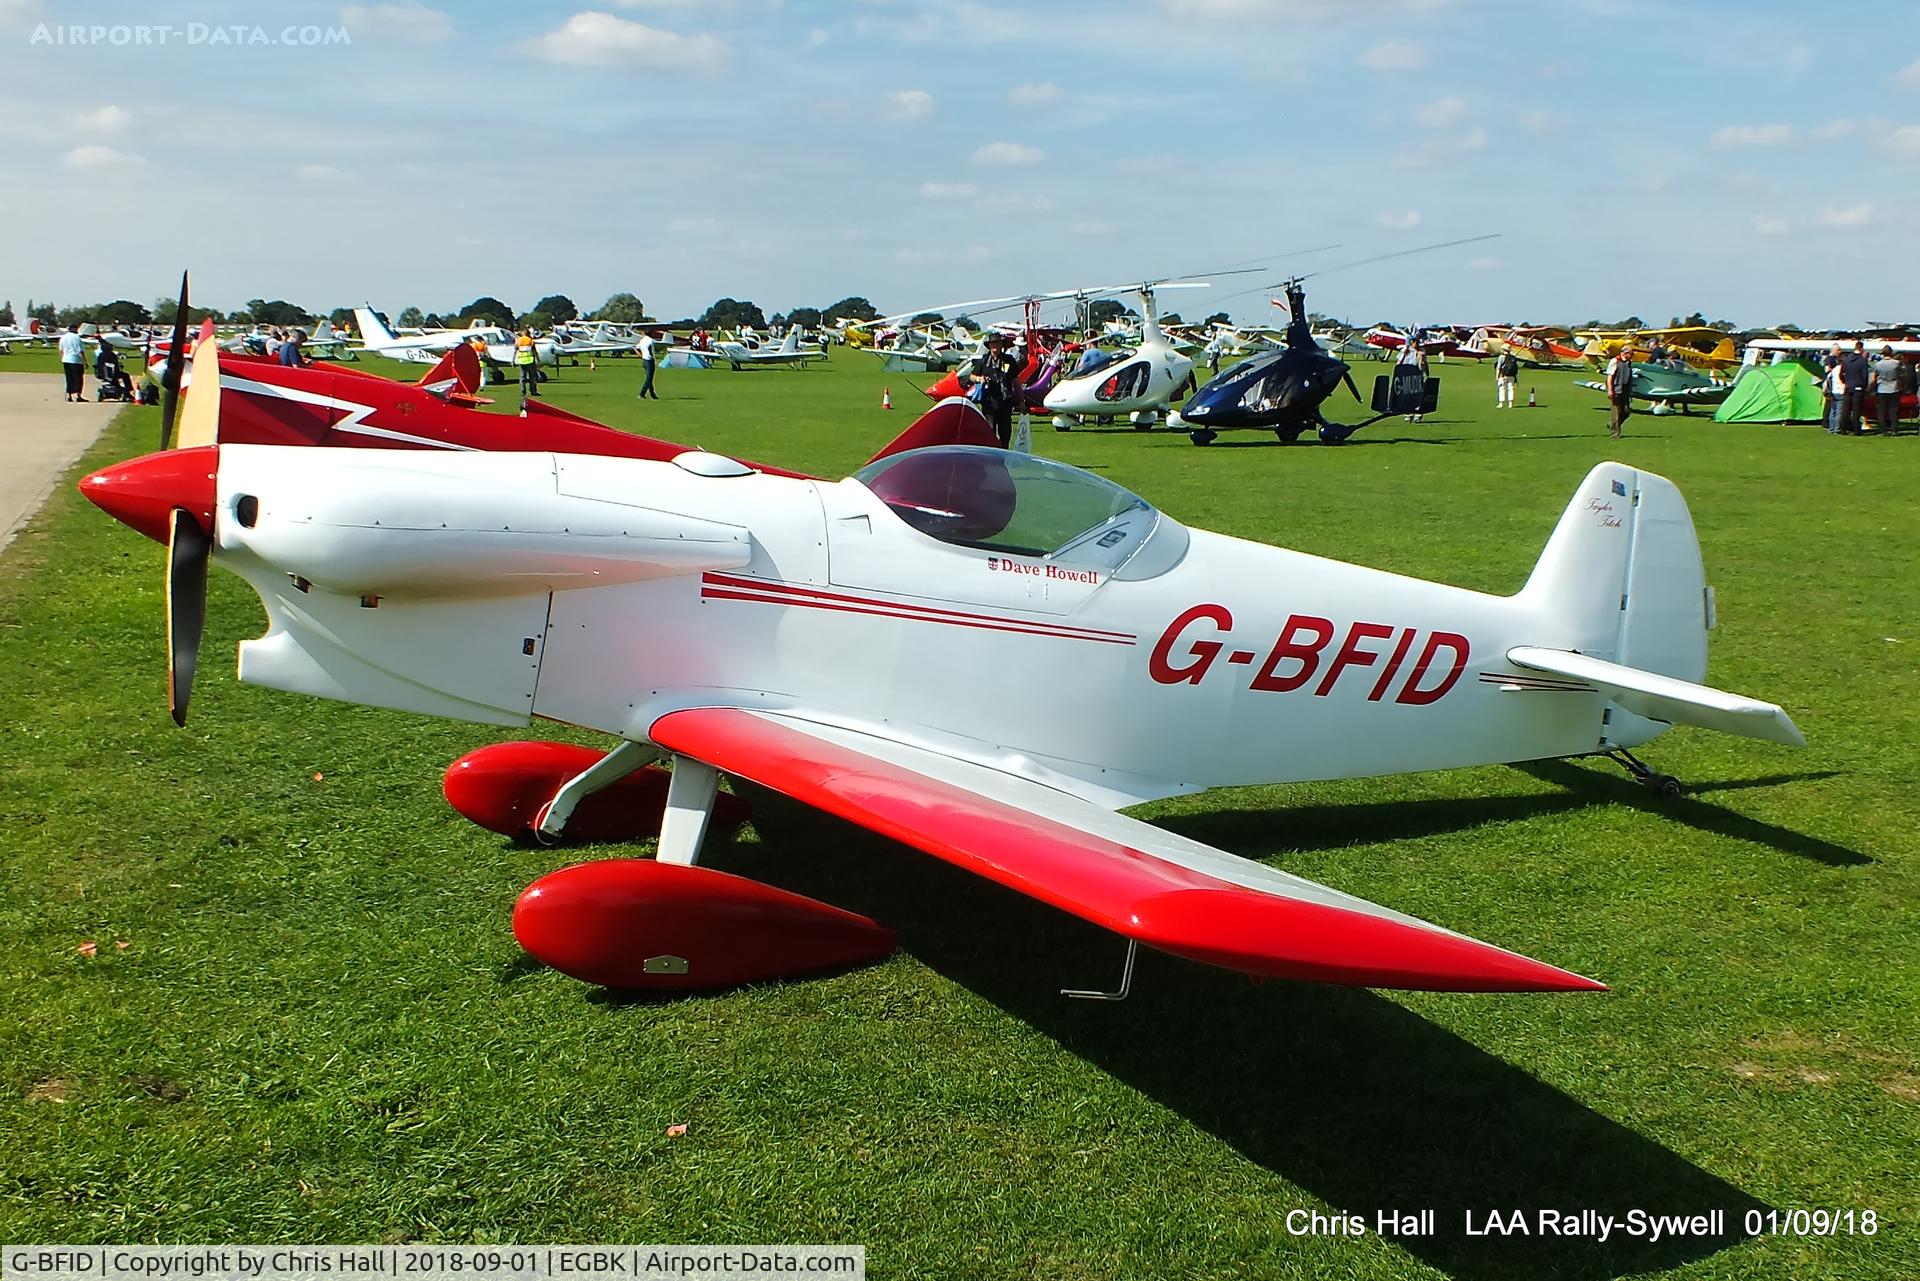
(1783, 393)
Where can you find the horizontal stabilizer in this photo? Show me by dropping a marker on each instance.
(1140, 881)
(1663, 698)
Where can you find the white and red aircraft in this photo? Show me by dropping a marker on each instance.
(984, 655)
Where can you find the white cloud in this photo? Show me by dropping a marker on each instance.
(1015, 204)
(413, 22)
(1399, 221)
(594, 39)
(1394, 55)
(1438, 150)
(695, 227)
(1764, 226)
(1835, 129)
(94, 158)
(1853, 216)
(816, 37)
(1537, 122)
(1753, 136)
(1909, 76)
(976, 253)
(1008, 153)
(1441, 113)
(1904, 141)
(316, 173)
(947, 190)
(105, 119)
(1035, 95)
(1483, 264)
(1091, 227)
(909, 104)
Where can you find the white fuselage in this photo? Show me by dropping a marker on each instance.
(603, 592)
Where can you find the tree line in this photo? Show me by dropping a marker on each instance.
(554, 309)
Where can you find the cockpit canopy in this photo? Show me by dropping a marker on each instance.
(994, 500)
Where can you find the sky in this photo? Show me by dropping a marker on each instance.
(1758, 161)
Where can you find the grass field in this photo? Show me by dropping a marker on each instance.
(306, 1018)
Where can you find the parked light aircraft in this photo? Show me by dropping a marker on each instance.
(1699, 346)
(695, 608)
(1666, 384)
(426, 348)
(1760, 348)
(1284, 390)
(1541, 346)
(1141, 386)
(746, 354)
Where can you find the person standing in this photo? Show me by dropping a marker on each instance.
(1414, 355)
(1854, 372)
(1215, 346)
(1886, 392)
(1506, 379)
(526, 360)
(73, 363)
(644, 348)
(1620, 389)
(995, 373)
(1831, 388)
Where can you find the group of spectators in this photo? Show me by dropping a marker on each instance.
(1849, 375)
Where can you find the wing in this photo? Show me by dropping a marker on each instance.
(1665, 698)
(1139, 881)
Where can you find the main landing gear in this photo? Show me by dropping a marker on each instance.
(1643, 774)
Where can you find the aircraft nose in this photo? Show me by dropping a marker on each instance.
(141, 493)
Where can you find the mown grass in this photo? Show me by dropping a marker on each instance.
(320, 1027)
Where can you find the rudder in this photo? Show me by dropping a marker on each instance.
(1621, 578)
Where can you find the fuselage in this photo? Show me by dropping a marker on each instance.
(1137, 658)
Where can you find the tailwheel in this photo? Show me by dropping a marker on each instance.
(1645, 775)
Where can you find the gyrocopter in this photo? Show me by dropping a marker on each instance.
(981, 654)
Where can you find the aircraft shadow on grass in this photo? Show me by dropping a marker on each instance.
(1345, 1094)
(1305, 442)
(1594, 787)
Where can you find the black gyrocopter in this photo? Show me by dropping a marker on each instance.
(1285, 389)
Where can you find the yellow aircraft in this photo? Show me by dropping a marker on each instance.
(1697, 345)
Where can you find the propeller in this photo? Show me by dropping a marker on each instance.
(176, 366)
(189, 541)
(188, 551)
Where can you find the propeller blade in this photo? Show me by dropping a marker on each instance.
(188, 550)
(1346, 376)
(176, 365)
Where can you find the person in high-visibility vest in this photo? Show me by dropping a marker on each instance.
(523, 356)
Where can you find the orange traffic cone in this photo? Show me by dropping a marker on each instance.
(886, 398)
